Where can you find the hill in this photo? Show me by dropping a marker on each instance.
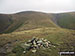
(5, 22)
(23, 26)
(31, 20)
(27, 20)
(65, 20)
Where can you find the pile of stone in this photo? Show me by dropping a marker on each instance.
(36, 43)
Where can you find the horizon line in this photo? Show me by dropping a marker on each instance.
(37, 11)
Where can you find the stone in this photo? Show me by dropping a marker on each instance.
(34, 51)
(24, 52)
(27, 44)
(37, 43)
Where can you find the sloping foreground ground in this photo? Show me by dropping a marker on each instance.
(57, 36)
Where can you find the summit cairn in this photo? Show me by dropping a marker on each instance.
(36, 43)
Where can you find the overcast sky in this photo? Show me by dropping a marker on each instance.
(49, 6)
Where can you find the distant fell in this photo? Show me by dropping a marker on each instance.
(27, 20)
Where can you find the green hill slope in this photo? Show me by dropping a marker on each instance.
(25, 25)
(65, 20)
(29, 20)
(5, 22)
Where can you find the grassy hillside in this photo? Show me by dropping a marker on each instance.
(57, 36)
(65, 20)
(32, 20)
(28, 20)
(21, 27)
(5, 22)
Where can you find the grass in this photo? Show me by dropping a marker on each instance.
(5, 22)
(14, 28)
(27, 25)
(25, 21)
(66, 21)
(55, 35)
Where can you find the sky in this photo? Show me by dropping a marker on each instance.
(49, 6)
